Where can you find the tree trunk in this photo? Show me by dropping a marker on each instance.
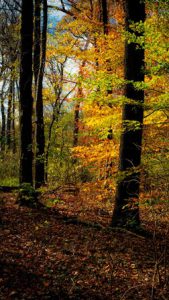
(105, 21)
(13, 119)
(55, 117)
(9, 115)
(76, 118)
(77, 104)
(26, 100)
(76, 125)
(126, 210)
(104, 16)
(40, 138)
(37, 42)
(3, 136)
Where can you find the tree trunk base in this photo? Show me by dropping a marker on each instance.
(28, 196)
(136, 229)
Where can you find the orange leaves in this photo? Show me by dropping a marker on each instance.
(110, 50)
(96, 152)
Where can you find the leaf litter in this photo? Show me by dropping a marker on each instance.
(52, 254)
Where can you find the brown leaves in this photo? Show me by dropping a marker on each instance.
(43, 255)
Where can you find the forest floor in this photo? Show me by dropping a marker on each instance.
(70, 252)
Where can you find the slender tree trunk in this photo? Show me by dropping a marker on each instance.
(55, 115)
(104, 16)
(76, 121)
(48, 147)
(77, 104)
(36, 69)
(105, 21)
(37, 42)
(126, 210)
(3, 136)
(100, 10)
(26, 100)
(9, 116)
(40, 137)
(13, 119)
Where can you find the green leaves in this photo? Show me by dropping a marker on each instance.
(136, 34)
(27, 195)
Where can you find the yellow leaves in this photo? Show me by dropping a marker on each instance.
(86, 55)
(80, 26)
(96, 194)
(96, 155)
(110, 49)
(48, 96)
(155, 117)
(96, 110)
(98, 119)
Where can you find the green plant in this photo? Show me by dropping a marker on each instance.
(27, 196)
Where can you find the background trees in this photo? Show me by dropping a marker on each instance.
(9, 75)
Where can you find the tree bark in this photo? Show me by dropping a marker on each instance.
(37, 41)
(40, 137)
(76, 119)
(3, 136)
(13, 119)
(26, 100)
(126, 210)
(105, 16)
(9, 115)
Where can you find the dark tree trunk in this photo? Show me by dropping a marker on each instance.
(26, 100)
(40, 138)
(126, 210)
(9, 115)
(36, 66)
(76, 124)
(104, 16)
(3, 136)
(37, 42)
(13, 119)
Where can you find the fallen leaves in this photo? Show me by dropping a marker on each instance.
(44, 257)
